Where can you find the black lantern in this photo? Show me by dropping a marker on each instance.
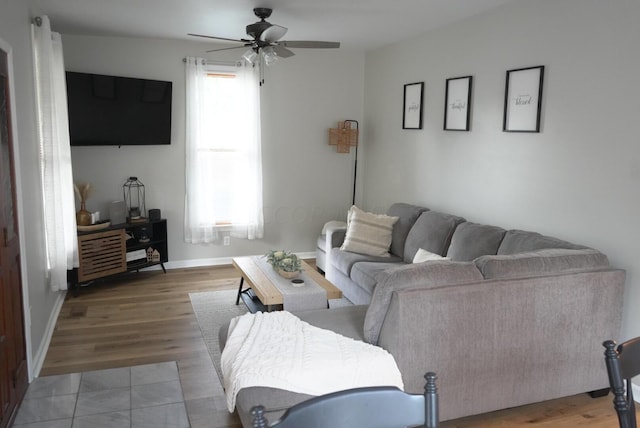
(133, 191)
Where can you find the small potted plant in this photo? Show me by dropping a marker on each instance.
(288, 265)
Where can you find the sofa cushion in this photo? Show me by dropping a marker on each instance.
(433, 274)
(343, 261)
(542, 262)
(368, 233)
(365, 273)
(471, 240)
(432, 231)
(407, 215)
(520, 241)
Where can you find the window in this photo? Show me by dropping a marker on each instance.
(223, 159)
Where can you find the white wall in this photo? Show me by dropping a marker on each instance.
(306, 183)
(578, 179)
(15, 30)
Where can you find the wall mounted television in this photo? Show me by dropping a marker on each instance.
(118, 111)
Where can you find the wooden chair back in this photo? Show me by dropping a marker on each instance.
(623, 363)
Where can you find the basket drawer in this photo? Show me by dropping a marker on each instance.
(101, 254)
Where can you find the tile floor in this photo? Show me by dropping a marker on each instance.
(147, 396)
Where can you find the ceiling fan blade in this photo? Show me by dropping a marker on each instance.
(220, 38)
(282, 52)
(273, 33)
(309, 44)
(226, 49)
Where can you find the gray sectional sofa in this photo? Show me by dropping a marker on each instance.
(444, 234)
(513, 317)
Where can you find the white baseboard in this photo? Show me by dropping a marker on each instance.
(41, 353)
(219, 261)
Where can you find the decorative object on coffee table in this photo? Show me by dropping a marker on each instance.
(288, 275)
(133, 191)
(287, 265)
(83, 191)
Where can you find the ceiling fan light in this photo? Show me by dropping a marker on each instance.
(249, 56)
(270, 56)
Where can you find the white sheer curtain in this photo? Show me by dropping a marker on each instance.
(61, 246)
(223, 153)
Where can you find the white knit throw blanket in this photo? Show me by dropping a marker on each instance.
(278, 350)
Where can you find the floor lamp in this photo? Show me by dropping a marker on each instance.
(344, 137)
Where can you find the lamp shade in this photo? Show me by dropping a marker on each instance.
(250, 56)
(344, 136)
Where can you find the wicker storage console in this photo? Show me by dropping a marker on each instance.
(118, 249)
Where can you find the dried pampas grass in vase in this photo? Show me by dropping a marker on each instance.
(83, 191)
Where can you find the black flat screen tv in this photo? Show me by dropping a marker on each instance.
(118, 111)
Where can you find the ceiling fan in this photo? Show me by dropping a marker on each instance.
(265, 43)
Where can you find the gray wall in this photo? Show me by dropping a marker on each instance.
(15, 30)
(578, 179)
(306, 183)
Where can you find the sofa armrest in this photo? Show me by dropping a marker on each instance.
(525, 340)
(423, 276)
(334, 236)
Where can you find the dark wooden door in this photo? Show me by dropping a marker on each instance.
(13, 362)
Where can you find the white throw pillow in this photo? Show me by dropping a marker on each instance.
(368, 233)
(425, 256)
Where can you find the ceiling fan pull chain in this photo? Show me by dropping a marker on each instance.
(261, 68)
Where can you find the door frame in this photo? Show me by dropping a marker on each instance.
(6, 47)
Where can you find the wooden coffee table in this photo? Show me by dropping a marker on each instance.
(262, 294)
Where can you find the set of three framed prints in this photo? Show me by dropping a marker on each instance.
(522, 102)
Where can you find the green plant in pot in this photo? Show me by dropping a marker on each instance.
(286, 264)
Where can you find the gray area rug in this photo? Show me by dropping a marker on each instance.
(212, 310)
(215, 308)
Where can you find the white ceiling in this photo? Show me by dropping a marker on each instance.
(357, 24)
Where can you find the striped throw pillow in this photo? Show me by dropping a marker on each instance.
(368, 233)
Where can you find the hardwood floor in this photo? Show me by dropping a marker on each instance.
(141, 318)
(147, 318)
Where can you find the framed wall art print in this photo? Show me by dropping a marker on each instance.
(412, 113)
(457, 104)
(523, 99)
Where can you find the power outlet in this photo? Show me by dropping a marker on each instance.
(226, 240)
